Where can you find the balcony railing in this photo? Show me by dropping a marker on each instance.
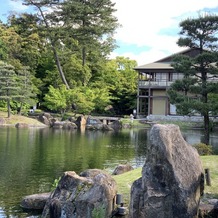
(164, 83)
(157, 83)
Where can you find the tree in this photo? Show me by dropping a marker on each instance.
(58, 99)
(9, 88)
(121, 78)
(80, 100)
(91, 23)
(76, 26)
(27, 90)
(10, 45)
(49, 27)
(30, 42)
(191, 94)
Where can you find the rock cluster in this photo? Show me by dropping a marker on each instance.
(91, 193)
(81, 122)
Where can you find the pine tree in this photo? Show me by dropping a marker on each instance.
(192, 94)
(9, 88)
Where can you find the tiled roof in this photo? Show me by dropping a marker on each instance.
(165, 63)
(155, 65)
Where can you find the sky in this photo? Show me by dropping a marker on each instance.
(149, 29)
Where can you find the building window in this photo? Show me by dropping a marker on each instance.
(170, 77)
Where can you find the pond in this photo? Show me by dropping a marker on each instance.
(31, 159)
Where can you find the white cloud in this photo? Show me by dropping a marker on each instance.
(144, 23)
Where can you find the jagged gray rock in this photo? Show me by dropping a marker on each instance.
(172, 177)
(35, 201)
(122, 168)
(86, 195)
(45, 118)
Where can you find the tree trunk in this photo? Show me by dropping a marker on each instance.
(19, 109)
(83, 56)
(9, 108)
(57, 61)
(206, 129)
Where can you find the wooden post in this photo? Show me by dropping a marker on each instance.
(119, 199)
(207, 175)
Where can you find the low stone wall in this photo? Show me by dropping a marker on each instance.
(178, 118)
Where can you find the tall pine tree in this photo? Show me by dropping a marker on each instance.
(192, 93)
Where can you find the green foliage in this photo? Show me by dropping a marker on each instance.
(195, 92)
(77, 73)
(79, 30)
(83, 98)
(3, 51)
(58, 99)
(99, 212)
(203, 149)
(9, 88)
(69, 45)
(213, 101)
(121, 79)
(55, 183)
(25, 27)
(3, 109)
(3, 104)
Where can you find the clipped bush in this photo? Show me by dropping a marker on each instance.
(203, 149)
(3, 109)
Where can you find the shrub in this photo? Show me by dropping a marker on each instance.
(55, 183)
(203, 149)
(99, 212)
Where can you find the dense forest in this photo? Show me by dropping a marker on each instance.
(56, 58)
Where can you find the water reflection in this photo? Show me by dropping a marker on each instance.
(196, 136)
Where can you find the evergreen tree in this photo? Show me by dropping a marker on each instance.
(9, 88)
(27, 92)
(191, 94)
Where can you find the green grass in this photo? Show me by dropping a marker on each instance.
(124, 181)
(134, 123)
(181, 124)
(211, 162)
(19, 119)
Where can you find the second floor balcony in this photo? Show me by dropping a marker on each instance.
(153, 84)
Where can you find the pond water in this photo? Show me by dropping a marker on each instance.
(31, 159)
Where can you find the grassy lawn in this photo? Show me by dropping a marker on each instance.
(124, 181)
(211, 162)
(19, 119)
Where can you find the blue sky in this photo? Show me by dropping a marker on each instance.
(149, 28)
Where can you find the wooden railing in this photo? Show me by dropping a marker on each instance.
(162, 83)
(157, 83)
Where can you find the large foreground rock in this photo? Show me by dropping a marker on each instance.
(172, 177)
(90, 194)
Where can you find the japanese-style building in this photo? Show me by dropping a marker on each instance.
(154, 80)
